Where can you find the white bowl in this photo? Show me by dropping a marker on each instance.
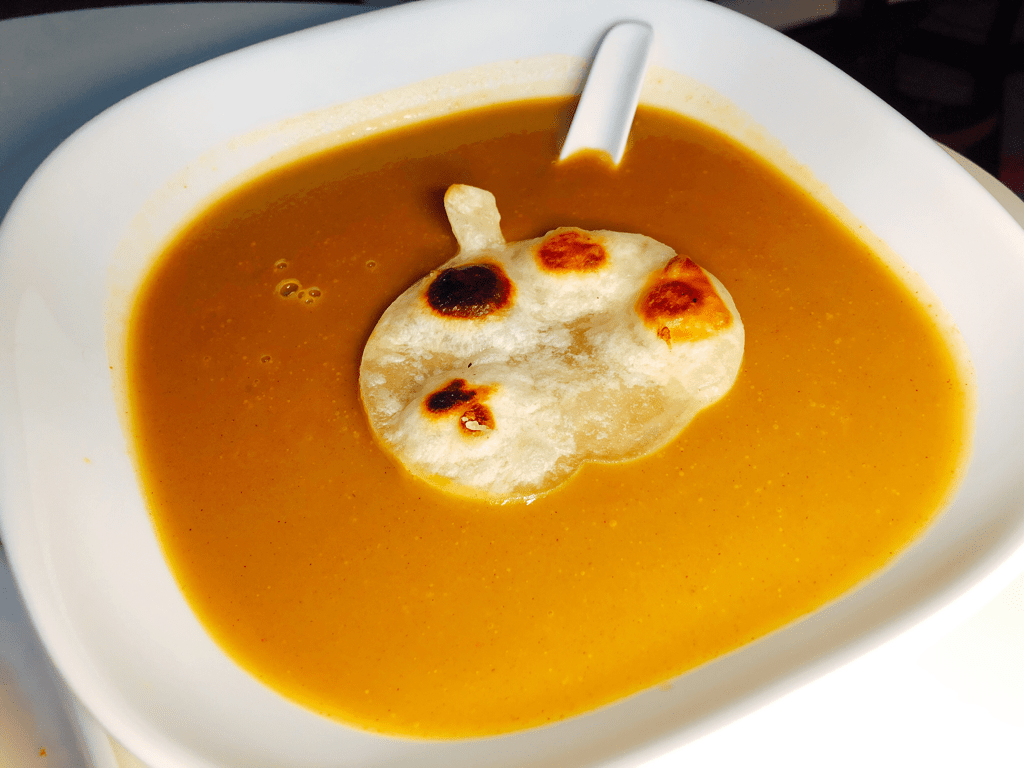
(86, 226)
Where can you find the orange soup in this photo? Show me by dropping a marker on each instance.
(351, 587)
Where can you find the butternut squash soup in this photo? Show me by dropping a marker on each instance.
(359, 591)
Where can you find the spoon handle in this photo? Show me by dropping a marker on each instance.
(610, 95)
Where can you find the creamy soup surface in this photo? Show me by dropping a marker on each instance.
(349, 586)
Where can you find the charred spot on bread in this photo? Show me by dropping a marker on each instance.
(470, 291)
(477, 420)
(456, 395)
(571, 250)
(449, 397)
(680, 304)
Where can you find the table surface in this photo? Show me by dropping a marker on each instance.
(949, 692)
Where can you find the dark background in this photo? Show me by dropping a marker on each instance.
(955, 68)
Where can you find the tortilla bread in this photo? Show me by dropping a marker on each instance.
(501, 372)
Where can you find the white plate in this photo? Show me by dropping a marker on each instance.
(81, 233)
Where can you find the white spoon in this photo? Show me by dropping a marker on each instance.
(610, 95)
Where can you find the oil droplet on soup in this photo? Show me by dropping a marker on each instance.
(360, 592)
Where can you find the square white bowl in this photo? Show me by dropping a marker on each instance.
(85, 228)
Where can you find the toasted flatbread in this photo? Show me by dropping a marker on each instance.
(501, 372)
